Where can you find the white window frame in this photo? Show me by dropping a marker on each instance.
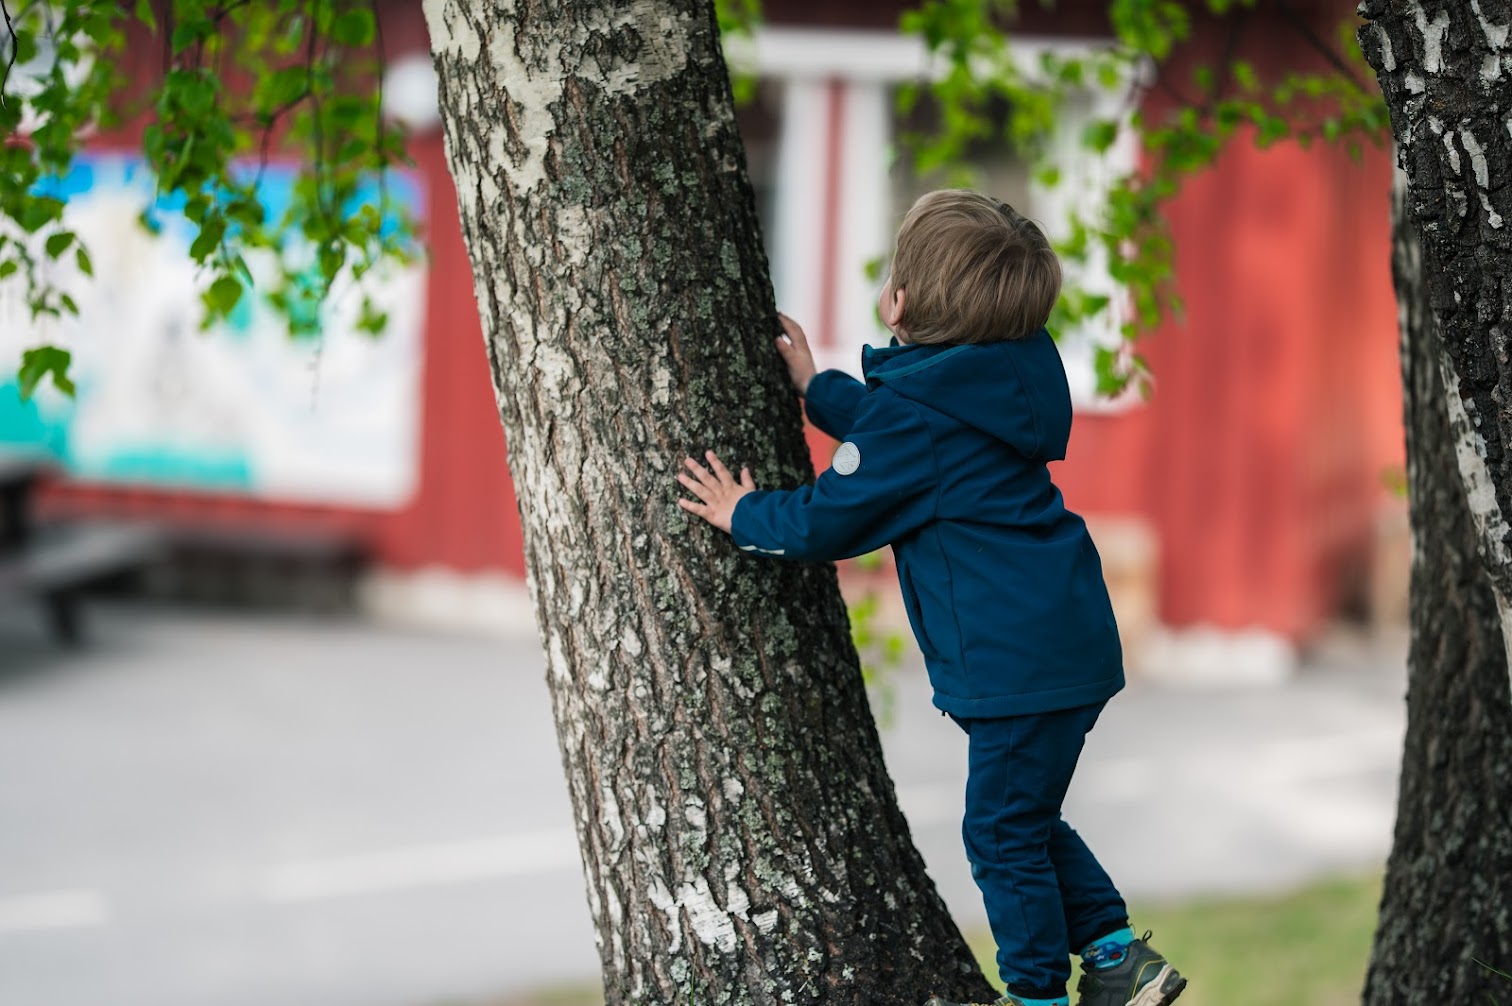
(870, 59)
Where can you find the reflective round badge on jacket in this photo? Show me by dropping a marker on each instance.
(847, 458)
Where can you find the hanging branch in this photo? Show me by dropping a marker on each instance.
(1226, 61)
(167, 37)
(220, 14)
(1305, 30)
(15, 47)
(317, 127)
(381, 135)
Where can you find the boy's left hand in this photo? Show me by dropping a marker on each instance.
(718, 490)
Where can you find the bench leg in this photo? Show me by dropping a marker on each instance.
(64, 620)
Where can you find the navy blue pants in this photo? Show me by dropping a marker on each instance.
(1046, 894)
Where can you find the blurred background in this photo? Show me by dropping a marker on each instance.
(271, 700)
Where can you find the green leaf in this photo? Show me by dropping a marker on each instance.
(354, 28)
(146, 15)
(8, 267)
(282, 88)
(224, 294)
(331, 257)
(1272, 128)
(81, 258)
(58, 243)
(196, 94)
(1244, 76)
(737, 16)
(371, 320)
(239, 263)
(1100, 134)
(1105, 363)
(37, 213)
(26, 47)
(40, 362)
(908, 96)
(245, 211)
(208, 240)
(186, 33)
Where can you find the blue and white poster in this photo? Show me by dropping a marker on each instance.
(243, 407)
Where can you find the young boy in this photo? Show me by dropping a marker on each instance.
(944, 455)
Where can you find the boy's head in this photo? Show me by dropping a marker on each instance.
(968, 268)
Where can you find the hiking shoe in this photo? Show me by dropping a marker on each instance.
(1142, 978)
(1007, 1000)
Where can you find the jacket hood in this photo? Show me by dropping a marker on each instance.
(1014, 390)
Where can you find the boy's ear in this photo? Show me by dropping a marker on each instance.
(895, 309)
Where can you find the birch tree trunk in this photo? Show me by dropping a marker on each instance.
(1445, 68)
(740, 837)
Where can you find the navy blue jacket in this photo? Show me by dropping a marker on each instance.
(944, 457)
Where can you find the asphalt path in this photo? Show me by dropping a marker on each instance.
(232, 809)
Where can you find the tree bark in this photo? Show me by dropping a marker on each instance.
(1446, 913)
(740, 837)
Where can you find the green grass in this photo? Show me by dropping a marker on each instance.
(1306, 948)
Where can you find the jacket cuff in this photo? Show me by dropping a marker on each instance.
(735, 521)
(742, 542)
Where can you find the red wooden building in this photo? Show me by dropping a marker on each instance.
(1246, 494)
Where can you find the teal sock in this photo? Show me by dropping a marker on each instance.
(1106, 951)
(1058, 1001)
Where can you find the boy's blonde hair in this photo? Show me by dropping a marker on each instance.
(974, 270)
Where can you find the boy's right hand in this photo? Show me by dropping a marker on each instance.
(796, 354)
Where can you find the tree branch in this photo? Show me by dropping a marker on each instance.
(317, 128)
(272, 115)
(15, 47)
(381, 134)
(1334, 60)
(1225, 64)
(167, 37)
(1226, 61)
(220, 15)
(1171, 89)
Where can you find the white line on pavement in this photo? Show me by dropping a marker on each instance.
(53, 910)
(1282, 765)
(422, 866)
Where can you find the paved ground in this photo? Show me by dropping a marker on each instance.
(228, 810)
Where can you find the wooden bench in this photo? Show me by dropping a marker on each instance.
(19, 475)
(55, 565)
(188, 553)
(313, 568)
